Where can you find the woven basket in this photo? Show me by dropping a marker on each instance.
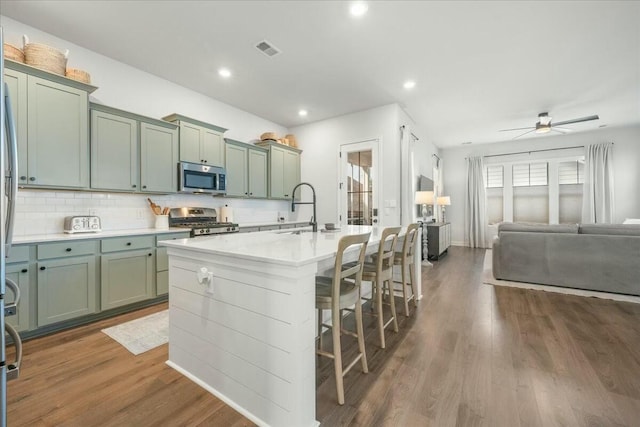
(13, 53)
(268, 135)
(45, 57)
(292, 140)
(79, 75)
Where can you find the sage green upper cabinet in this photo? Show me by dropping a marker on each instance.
(200, 142)
(258, 172)
(52, 117)
(246, 170)
(284, 169)
(158, 158)
(236, 166)
(130, 152)
(114, 151)
(17, 83)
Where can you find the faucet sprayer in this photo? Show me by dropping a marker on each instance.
(313, 222)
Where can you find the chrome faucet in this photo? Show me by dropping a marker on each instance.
(314, 220)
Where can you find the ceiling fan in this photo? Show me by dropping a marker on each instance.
(544, 125)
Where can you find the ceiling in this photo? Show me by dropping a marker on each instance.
(479, 66)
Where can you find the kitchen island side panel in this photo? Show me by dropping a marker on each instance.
(249, 337)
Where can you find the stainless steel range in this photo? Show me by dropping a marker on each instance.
(201, 221)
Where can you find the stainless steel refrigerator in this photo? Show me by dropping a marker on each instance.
(9, 187)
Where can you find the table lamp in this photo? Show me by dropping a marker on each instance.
(444, 201)
(424, 198)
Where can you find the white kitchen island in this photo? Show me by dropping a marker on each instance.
(242, 317)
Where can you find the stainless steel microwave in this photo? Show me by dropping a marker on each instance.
(197, 178)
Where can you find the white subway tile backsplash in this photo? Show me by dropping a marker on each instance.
(43, 211)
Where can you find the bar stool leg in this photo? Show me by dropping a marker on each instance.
(413, 286)
(360, 332)
(337, 354)
(403, 268)
(319, 329)
(379, 308)
(393, 305)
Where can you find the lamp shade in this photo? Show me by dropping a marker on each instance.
(444, 200)
(424, 197)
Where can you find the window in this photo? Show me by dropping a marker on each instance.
(571, 172)
(495, 176)
(530, 174)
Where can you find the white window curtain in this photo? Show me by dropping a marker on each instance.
(597, 199)
(474, 206)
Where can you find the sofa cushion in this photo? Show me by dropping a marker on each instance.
(538, 228)
(611, 229)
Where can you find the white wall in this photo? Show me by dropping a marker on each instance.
(130, 89)
(321, 144)
(626, 154)
(134, 90)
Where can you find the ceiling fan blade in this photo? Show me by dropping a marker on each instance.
(532, 130)
(582, 119)
(506, 130)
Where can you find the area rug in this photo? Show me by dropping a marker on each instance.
(488, 279)
(142, 334)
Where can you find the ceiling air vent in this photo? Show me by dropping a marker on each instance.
(267, 48)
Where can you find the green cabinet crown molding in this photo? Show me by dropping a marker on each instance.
(268, 144)
(178, 118)
(245, 144)
(27, 69)
(132, 116)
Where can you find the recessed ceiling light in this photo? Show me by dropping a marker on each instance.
(359, 8)
(302, 113)
(224, 72)
(409, 84)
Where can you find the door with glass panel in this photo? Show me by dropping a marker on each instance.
(358, 183)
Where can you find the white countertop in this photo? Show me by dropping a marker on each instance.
(269, 223)
(63, 237)
(277, 247)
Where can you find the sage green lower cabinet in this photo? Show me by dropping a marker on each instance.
(19, 273)
(162, 262)
(127, 268)
(66, 288)
(126, 277)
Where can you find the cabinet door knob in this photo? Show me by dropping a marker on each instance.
(22, 178)
(134, 186)
(32, 178)
(144, 186)
(251, 194)
(68, 249)
(150, 254)
(245, 193)
(43, 268)
(24, 270)
(128, 243)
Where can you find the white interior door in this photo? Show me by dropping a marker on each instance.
(358, 183)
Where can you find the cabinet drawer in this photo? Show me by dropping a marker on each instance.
(127, 243)
(66, 249)
(172, 236)
(18, 254)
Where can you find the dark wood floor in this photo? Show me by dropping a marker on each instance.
(470, 355)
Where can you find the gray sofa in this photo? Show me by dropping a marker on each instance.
(599, 257)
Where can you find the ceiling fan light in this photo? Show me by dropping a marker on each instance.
(542, 128)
